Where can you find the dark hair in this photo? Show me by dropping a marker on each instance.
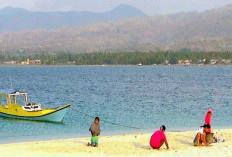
(163, 127)
(97, 118)
(206, 126)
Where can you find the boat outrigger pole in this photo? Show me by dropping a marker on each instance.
(11, 85)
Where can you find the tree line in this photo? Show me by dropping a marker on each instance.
(119, 58)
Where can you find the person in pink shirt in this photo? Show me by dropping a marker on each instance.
(158, 138)
(208, 119)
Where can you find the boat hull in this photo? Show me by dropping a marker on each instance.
(55, 116)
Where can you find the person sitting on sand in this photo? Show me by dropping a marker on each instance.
(200, 136)
(208, 119)
(158, 138)
(95, 132)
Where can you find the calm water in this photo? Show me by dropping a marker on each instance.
(145, 97)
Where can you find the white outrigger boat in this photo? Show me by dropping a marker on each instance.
(10, 108)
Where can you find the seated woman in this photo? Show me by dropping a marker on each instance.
(158, 138)
(200, 136)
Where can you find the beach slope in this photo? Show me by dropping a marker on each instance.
(120, 145)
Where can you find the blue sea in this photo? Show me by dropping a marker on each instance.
(140, 96)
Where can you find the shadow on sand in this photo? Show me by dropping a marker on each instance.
(138, 145)
(81, 142)
(185, 142)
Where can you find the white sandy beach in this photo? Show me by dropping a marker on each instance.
(121, 145)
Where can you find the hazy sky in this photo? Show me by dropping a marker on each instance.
(150, 7)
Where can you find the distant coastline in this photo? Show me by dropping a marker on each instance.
(108, 65)
(185, 58)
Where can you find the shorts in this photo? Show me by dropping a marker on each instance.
(94, 139)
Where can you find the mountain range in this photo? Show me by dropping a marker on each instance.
(17, 19)
(210, 30)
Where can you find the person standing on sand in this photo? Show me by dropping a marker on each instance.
(208, 119)
(95, 132)
(200, 136)
(158, 138)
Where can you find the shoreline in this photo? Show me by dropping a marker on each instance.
(121, 145)
(87, 135)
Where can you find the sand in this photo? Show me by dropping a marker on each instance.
(121, 145)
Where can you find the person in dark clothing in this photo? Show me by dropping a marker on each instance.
(95, 132)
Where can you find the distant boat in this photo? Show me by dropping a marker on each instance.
(140, 64)
(28, 111)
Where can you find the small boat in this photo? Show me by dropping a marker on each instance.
(10, 108)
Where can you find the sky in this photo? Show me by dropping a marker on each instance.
(149, 7)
